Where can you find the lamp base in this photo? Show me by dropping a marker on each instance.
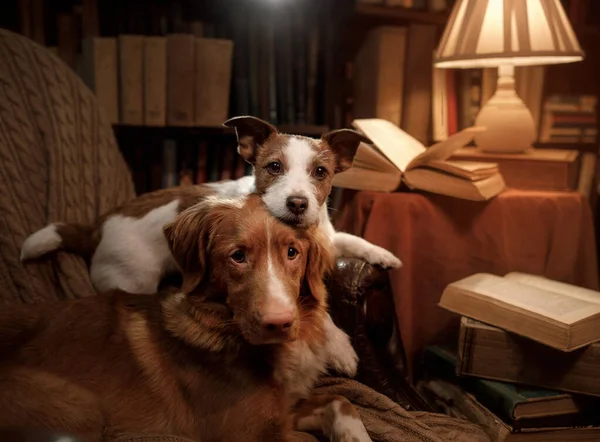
(509, 123)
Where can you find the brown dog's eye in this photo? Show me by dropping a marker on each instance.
(320, 172)
(238, 256)
(274, 168)
(292, 253)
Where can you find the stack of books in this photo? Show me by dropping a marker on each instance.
(527, 366)
(569, 119)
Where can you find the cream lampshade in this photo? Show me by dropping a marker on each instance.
(505, 34)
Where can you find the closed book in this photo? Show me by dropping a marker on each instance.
(101, 73)
(180, 79)
(131, 63)
(489, 352)
(452, 399)
(169, 163)
(201, 164)
(538, 169)
(155, 81)
(379, 75)
(213, 80)
(312, 67)
(518, 405)
(416, 109)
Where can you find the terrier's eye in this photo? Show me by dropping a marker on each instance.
(320, 172)
(292, 253)
(274, 168)
(238, 256)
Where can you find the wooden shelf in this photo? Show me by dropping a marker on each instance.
(404, 14)
(582, 147)
(178, 131)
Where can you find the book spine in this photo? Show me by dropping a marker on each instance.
(169, 164)
(67, 39)
(311, 76)
(494, 395)
(180, 79)
(452, 102)
(213, 80)
(155, 81)
(131, 74)
(201, 165)
(100, 68)
(492, 353)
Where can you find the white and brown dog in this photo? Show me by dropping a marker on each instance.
(293, 175)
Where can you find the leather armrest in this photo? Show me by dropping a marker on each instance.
(360, 300)
(361, 304)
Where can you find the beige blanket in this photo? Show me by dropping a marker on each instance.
(386, 421)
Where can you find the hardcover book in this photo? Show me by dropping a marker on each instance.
(553, 313)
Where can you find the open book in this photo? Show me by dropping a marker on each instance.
(398, 157)
(559, 315)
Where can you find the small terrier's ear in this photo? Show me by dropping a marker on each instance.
(344, 144)
(251, 133)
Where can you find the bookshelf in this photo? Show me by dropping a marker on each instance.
(313, 131)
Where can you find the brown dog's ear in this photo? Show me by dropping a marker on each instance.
(187, 238)
(251, 133)
(344, 144)
(318, 264)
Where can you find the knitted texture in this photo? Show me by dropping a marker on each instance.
(59, 161)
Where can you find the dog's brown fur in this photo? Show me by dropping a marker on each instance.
(176, 363)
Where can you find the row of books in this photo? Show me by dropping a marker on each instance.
(569, 119)
(527, 362)
(182, 166)
(177, 80)
(394, 81)
(429, 5)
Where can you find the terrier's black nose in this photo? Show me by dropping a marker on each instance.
(296, 204)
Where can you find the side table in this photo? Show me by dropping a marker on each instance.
(441, 239)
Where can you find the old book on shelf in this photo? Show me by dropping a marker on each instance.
(213, 80)
(556, 314)
(416, 110)
(397, 157)
(131, 66)
(379, 75)
(492, 353)
(101, 73)
(541, 169)
(155, 81)
(180, 79)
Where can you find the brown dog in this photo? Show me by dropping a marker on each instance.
(212, 362)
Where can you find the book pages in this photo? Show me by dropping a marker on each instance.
(555, 286)
(395, 144)
(557, 306)
(444, 149)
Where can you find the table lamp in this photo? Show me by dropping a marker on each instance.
(505, 34)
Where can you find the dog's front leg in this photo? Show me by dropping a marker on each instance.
(351, 246)
(341, 355)
(332, 415)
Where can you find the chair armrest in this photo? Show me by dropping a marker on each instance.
(361, 304)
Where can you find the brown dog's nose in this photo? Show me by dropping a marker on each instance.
(297, 204)
(278, 322)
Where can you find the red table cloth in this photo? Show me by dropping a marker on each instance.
(441, 239)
